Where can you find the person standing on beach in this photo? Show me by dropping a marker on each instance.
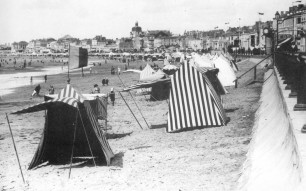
(112, 70)
(119, 70)
(112, 96)
(45, 78)
(31, 80)
(106, 81)
(103, 82)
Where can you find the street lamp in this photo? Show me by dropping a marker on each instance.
(239, 44)
(277, 16)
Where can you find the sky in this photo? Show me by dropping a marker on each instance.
(35, 19)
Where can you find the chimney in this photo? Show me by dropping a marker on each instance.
(300, 6)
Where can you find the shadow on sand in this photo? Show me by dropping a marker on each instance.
(84, 162)
(158, 126)
(117, 136)
(231, 110)
(118, 160)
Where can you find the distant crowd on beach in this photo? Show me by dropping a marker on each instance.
(24, 62)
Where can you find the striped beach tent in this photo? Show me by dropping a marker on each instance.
(71, 123)
(68, 91)
(193, 101)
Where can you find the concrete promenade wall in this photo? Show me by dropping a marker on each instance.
(276, 154)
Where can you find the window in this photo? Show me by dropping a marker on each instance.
(252, 40)
(298, 20)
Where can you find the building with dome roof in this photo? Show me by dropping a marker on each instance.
(136, 31)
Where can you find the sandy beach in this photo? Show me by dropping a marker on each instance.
(148, 159)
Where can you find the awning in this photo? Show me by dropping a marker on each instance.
(147, 84)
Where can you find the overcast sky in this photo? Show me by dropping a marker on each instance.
(33, 19)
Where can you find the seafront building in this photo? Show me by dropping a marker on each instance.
(245, 37)
(290, 25)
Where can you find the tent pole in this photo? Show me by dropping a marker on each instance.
(74, 134)
(106, 117)
(8, 122)
(130, 110)
(135, 102)
(87, 139)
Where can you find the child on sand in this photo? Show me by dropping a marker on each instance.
(96, 89)
(36, 90)
(112, 96)
(51, 90)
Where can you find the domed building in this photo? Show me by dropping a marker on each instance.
(136, 35)
(136, 30)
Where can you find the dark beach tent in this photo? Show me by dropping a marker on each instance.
(70, 123)
(193, 101)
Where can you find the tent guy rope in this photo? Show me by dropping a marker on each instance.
(130, 110)
(135, 103)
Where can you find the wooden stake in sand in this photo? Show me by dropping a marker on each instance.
(135, 103)
(75, 126)
(130, 110)
(8, 122)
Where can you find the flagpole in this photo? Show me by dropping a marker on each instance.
(68, 60)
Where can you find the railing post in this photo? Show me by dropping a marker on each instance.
(301, 86)
(291, 63)
(294, 86)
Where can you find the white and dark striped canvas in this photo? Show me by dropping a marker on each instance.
(69, 91)
(68, 95)
(193, 102)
